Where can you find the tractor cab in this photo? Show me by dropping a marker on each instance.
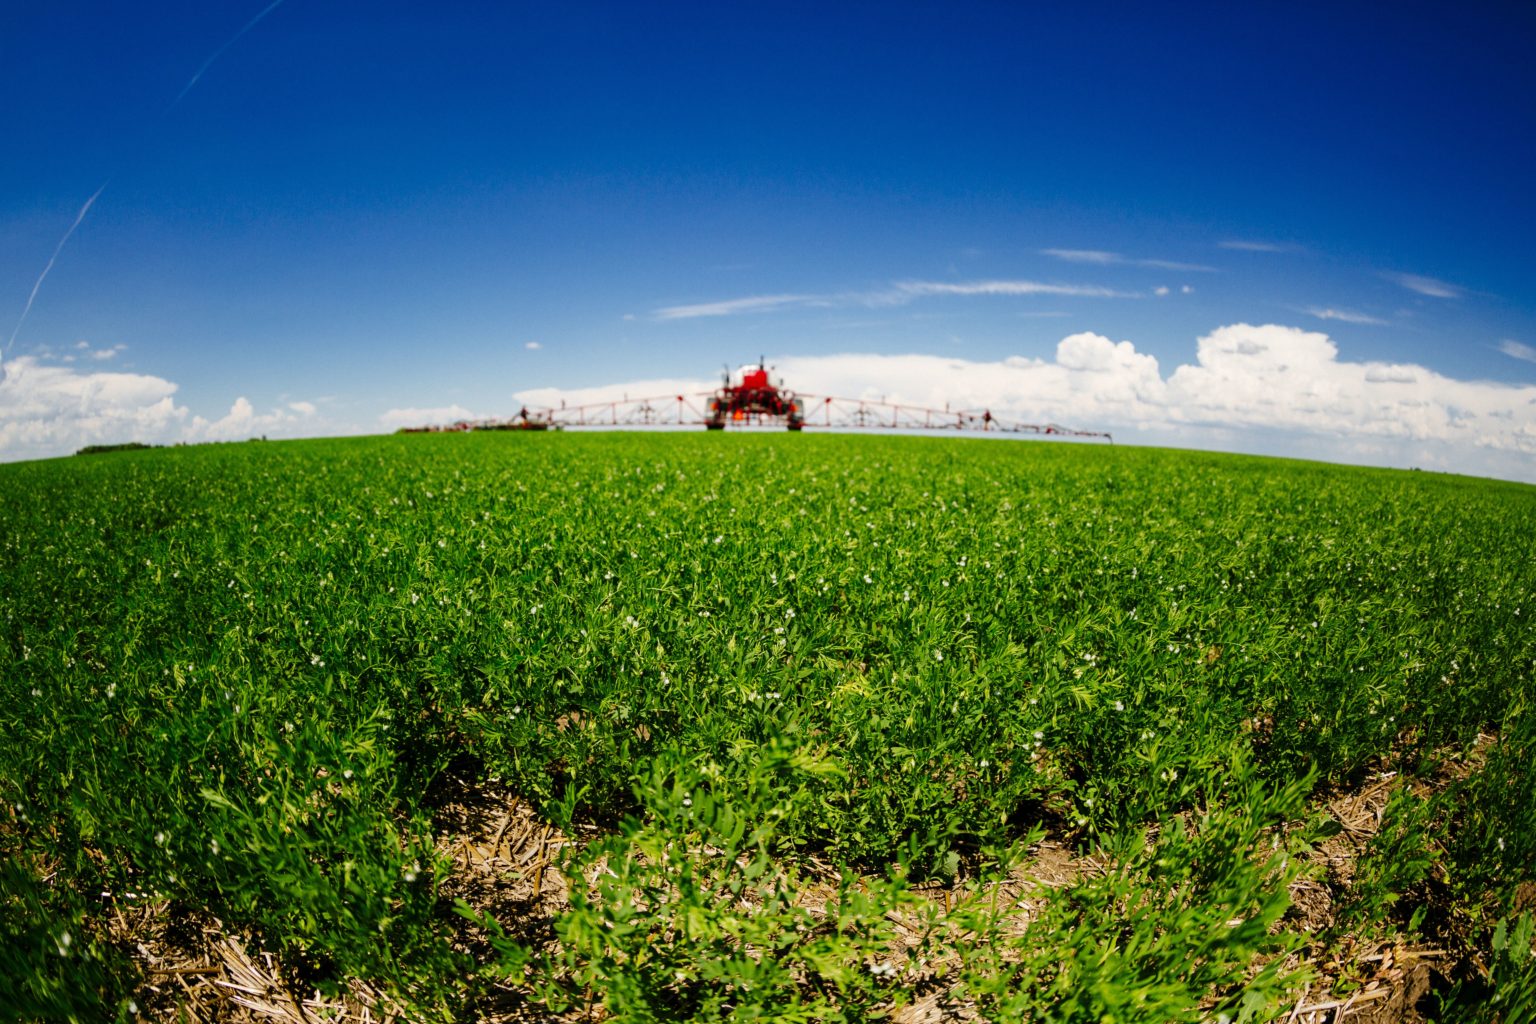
(756, 401)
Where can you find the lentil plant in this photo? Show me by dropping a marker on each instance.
(233, 678)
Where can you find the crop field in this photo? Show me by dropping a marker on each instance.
(762, 727)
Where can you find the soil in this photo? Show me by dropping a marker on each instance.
(504, 862)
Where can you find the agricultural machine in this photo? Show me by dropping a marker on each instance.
(755, 400)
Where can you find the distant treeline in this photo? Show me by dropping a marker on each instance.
(131, 446)
(136, 446)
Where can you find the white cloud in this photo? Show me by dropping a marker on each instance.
(1102, 258)
(1283, 378)
(1084, 255)
(1175, 265)
(1160, 290)
(666, 388)
(394, 419)
(1343, 315)
(243, 421)
(1517, 350)
(49, 410)
(729, 307)
(54, 410)
(1425, 285)
(533, 346)
(1244, 245)
(916, 289)
(1265, 388)
(898, 294)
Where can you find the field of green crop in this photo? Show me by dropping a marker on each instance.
(825, 728)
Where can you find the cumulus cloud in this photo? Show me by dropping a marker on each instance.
(243, 421)
(48, 410)
(657, 387)
(1425, 285)
(51, 410)
(1268, 388)
(394, 419)
(533, 346)
(1285, 378)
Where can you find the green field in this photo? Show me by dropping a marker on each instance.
(800, 723)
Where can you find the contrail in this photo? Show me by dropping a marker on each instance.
(86, 208)
(220, 51)
(56, 250)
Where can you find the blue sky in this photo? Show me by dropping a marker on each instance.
(361, 212)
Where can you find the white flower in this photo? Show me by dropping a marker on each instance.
(938, 655)
(867, 579)
(1119, 706)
